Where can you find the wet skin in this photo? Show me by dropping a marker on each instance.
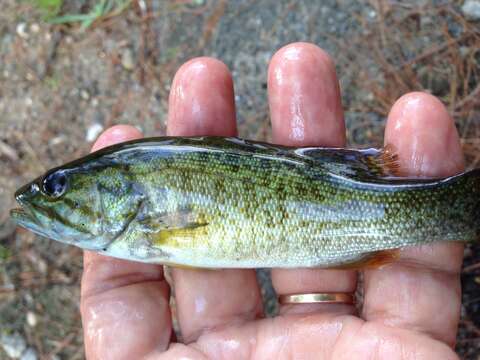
(408, 312)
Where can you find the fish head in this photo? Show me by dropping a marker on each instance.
(84, 206)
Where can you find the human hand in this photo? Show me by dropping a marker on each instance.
(408, 312)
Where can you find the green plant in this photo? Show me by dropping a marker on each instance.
(49, 8)
(101, 10)
(4, 253)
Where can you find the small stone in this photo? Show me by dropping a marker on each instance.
(425, 21)
(22, 30)
(464, 51)
(57, 140)
(29, 354)
(29, 299)
(370, 96)
(34, 28)
(127, 59)
(14, 345)
(93, 131)
(30, 76)
(84, 95)
(31, 319)
(471, 9)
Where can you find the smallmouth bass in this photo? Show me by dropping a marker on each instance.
(230, 203)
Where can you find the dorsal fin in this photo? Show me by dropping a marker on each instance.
(385, 162)
(365, 164)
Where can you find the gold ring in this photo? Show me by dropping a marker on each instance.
(317, 298)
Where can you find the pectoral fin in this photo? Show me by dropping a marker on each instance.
(173, 228)
(182, 218)
(183, 237)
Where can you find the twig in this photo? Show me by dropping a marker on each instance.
(60, 346)
(471, 326)
(8, 151)
(434, 50)
(472, 96)
(471, 268)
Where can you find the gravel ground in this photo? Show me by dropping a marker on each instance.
(60, 86)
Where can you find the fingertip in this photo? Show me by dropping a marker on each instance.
(116, 134)
(293, 52)
(200, 65)
(424, 135)
(304, 97)
(201, 100)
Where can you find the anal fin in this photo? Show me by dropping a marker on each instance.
(371, 260)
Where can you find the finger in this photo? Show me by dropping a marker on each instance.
(423, 298)
(201, 100)
(306, 110)
(304, 97)
(201, 103)
(124, 304)
(116, 134)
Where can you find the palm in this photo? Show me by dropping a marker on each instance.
(410, 309)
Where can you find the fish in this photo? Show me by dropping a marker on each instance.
(225, 202)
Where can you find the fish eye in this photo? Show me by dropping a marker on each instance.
(55, 184)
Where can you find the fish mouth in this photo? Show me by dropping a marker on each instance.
(44, 221)
(30, 216)
(34, 218)
(24, 215)
(21, 216)
(26, 219)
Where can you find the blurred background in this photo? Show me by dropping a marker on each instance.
(69, 69)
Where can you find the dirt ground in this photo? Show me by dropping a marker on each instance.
(60, 85)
